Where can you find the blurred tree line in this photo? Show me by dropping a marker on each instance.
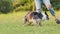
(19, 5)
(5, 6)
(29, 4)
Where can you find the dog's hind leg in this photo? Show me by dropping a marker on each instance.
(47, 15)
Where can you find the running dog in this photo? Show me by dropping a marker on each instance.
(35, 18)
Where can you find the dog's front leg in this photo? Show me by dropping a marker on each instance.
(39, 22)
(25, 21)
(34, 22)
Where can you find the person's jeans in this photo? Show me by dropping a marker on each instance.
(38, 4)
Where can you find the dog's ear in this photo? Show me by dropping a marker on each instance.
(47, 15)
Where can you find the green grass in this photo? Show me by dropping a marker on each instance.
(13, 24)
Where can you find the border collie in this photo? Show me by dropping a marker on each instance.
(35, 18)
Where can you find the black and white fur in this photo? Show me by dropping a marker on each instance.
(35, 18)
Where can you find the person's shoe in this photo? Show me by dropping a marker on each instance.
(57, 21)
(40, 15)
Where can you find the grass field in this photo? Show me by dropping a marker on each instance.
(12, 23)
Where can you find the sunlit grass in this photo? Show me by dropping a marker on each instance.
(12, 23)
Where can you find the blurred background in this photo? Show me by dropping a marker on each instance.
(12, 13)
(7, 6)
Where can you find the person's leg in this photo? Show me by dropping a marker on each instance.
(38, 6)
(50, 8)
